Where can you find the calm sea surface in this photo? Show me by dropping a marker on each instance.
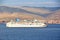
(51, 32)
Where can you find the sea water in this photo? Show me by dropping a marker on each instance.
(51, 32)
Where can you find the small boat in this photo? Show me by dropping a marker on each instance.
(30, 24)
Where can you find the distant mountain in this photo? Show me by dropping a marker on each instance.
(40, 12)
(10, 9)
(46, 12)
(36, 10)
(12, 12)
(49, 8)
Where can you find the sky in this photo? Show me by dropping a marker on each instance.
(37, 3)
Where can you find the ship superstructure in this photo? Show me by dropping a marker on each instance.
(25, 23)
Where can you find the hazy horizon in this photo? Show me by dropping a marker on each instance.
(33, 3)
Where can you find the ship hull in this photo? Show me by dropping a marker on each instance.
(23, 25)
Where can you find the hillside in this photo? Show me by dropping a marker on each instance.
(30, 12)
(36, 10)
(40, 13)
(54, 15)
(19, 15)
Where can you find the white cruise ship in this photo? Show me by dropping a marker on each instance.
(35, 23)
